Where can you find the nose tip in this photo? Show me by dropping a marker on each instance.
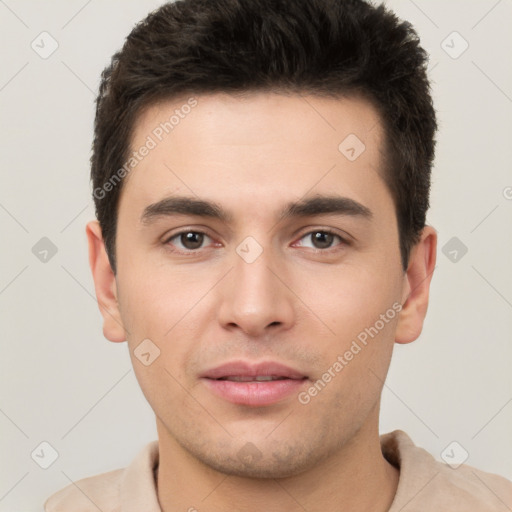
(253, 327)
(254, 300)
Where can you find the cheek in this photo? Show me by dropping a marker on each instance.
(360, 307)
(153, 308)
(150, 297)
(349, 299)
(163, 387)
(162, 309)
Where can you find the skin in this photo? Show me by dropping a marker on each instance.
(297, 304)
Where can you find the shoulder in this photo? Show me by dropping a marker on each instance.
(429, 485)
(96, 492)
(109, 491)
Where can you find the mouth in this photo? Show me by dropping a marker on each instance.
(258, 378)
(256, 385)
(246, 371)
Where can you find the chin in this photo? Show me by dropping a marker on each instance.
(263, 469)
(274, 460)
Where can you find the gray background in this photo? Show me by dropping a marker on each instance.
(63, 383)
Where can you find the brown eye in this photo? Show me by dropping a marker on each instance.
(321, 239)
(188, 240)
(191, 240)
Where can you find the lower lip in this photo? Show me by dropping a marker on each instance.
(255, 393)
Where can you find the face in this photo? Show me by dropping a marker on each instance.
(248, 235)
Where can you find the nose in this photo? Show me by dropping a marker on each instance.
(255, 297)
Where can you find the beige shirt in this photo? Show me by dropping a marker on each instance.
(425, 485)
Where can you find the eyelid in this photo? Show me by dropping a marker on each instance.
(168, 237)
(300, 233)
(172, 234)
(345, 239)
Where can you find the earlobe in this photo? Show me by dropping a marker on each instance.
(416, 287)
(105, 284)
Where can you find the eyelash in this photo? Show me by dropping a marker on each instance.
(343, 241)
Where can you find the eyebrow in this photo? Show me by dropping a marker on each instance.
(318, 205)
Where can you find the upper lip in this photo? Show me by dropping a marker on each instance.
(246, 369)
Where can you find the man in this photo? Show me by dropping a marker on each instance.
(261, 173)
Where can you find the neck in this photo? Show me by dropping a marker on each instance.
(355, 477)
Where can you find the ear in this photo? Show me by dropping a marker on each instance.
(105, 284)
(416, 287)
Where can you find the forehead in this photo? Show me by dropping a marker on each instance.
(259, 145)
(253, 118)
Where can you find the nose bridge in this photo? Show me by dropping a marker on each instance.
(255, 298)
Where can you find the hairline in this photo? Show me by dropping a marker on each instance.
(385, 171)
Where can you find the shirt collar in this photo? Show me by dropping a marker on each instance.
(138, 485)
